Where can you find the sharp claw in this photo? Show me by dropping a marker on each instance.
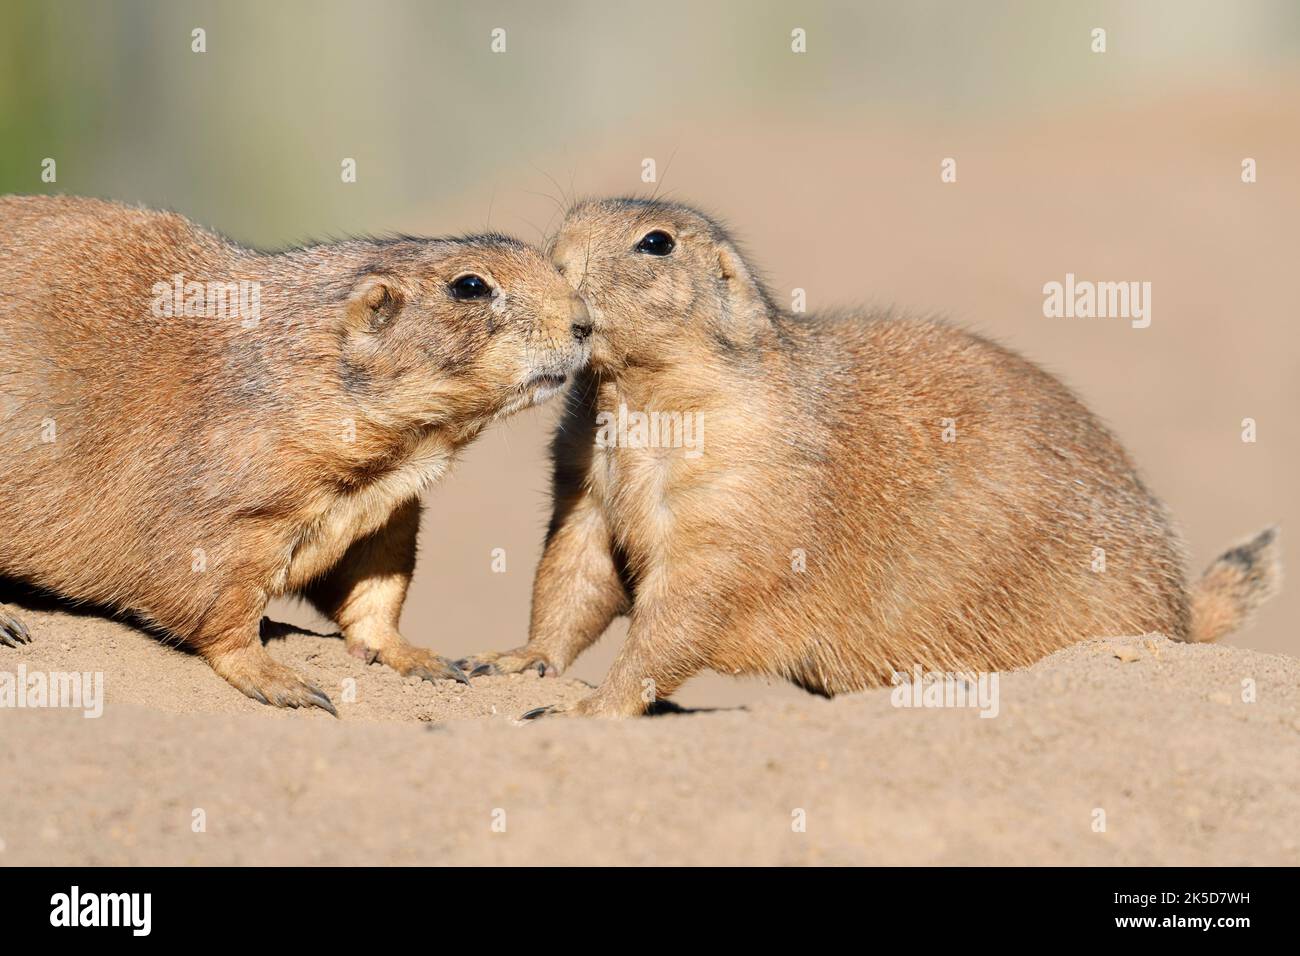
(257, 695)
(318, 699)
(482, 669)
(13, 632)
(453, 673)
(535, 713)
(456, 672)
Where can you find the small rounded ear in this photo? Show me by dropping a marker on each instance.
(374, 303)
(744, 308)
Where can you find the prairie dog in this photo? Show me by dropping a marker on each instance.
(870, 494)
(190, 427)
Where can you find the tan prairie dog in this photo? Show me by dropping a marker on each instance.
(831, 499)
(190, 427)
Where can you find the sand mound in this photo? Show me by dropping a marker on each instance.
(1161, 738)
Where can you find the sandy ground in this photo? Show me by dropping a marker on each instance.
(1154, 734)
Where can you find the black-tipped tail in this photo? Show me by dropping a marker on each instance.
(1235, 585)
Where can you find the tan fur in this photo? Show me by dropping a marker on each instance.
(200, 467)
(824, 436)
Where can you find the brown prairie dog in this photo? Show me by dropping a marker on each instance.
(871, 494)
(190, 427)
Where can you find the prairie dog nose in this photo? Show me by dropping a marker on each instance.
(565, 256)
(580, 318)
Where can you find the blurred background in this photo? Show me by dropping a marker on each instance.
(1121, 166)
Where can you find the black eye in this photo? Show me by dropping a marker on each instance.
(469, 287)
(657, 243)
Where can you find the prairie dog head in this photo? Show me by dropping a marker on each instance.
(445, 332)
(660, 280)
